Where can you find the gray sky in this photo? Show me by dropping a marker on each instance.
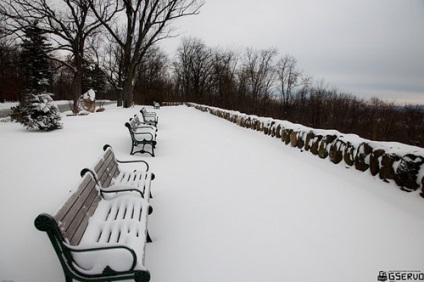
(368, 48)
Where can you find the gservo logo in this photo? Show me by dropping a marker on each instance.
(400, 275)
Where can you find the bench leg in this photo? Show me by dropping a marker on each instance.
(148, 239)
(150, 192)
(142, 151)
(132, 148)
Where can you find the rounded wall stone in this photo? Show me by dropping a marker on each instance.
(364, 150)
(322, 150)
(309, 137)
(300, 140)
(386, 170)
(375, 161)
(278, 131)
(293, 138)
(315, 143)
(407, 172)
(348, 155)
(336, 151)
(286, 135)
(422, 187)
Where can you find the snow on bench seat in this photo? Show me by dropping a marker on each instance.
(121, 221)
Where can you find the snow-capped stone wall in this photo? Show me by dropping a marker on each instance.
(391, 161)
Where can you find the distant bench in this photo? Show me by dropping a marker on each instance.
(141, 134)
(149, 117)
(156, 105)
(100, 234)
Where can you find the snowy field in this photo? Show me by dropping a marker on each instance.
(230, 204)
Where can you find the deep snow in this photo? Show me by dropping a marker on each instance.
(230, 204)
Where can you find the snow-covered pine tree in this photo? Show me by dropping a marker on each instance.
(36, 109)
(42, 113)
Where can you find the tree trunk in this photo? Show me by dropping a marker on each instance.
(128, 87)
(128, 92)
(119, 98)
(76, 91)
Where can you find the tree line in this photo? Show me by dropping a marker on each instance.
(262, 83)
(114, 35)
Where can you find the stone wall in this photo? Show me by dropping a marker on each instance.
(390, 161)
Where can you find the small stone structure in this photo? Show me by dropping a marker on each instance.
(88, 101)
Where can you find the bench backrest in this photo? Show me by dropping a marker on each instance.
(73, 216)
(106, 168)
(135, 121)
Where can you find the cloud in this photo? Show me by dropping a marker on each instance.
(348, 43)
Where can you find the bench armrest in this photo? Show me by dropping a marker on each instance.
(101, 249)
(103, 190)
(150, 115)
(135, 161)
(133, 134)
(146, 126)
(145, 112)
(141, 133)
(128, 161)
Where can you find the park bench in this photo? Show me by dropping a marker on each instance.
(98, 239)
(141, 126)
(109, 175)
(149, 117)
(156, 105)
(141, 136)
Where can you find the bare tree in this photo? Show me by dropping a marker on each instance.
(259, 70)
(224, 69)
(153, 78)
(289, 78)
(413, 125)
(9, 67)
(136, 25)
(193, 69)
(69, 24)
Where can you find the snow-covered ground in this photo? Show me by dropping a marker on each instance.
(230, 204)
(7, 105)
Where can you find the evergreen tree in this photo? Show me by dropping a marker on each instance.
(36, 109)
(42, 113)
(95, 79)
(34, 61)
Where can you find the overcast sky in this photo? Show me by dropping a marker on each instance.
(368, 48)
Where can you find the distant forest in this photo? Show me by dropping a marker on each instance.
(259, 82)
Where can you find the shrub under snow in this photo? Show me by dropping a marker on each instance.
(38, 112)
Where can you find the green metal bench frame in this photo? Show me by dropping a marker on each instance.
(138, 139)
(66, 228)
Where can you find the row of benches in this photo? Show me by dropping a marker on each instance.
(100, 232)
(143, 132)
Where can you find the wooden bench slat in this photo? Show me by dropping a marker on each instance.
(78, 211)
(79, 232)
(101, 171)
(71, 201)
